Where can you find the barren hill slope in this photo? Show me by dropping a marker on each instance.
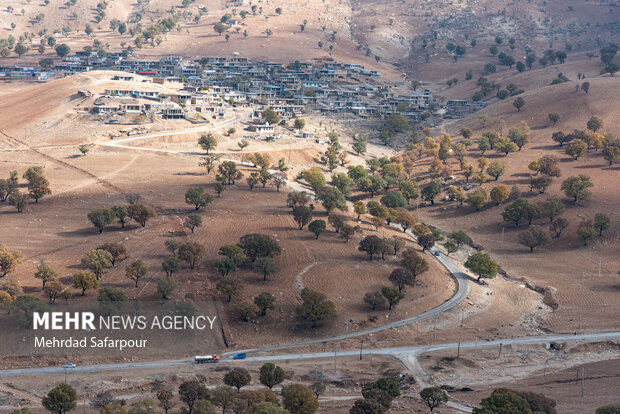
(409, 37)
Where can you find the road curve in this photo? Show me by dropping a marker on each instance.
(462, 281)
(415, 350)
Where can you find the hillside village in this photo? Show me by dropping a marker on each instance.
(203, 86)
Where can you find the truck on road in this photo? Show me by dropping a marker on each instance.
(202, 359)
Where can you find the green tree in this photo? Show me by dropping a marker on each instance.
(121, 213)
(20, 49)
(533, 237)
(392, 295)
(359, 147)
(198, 197)
(459, 237)
(396, 122)
(302, 215)
(191, 252)
(136, 271)
(266, 266)
(559, 225)
(207, 143)
(111, 300)
(331, 199)
(85, 280)
(482, 265)
(45, 273)
(24, 307)
(554, 117)
(401, 277)
(611, 153)
(259, 245)
(318, 388)
(343, 182)
(62, 50)
(414, 263)
(433, 397)
(431, 191)
(505, 146)
(265, 301)
(97, 261)
(477, 198)
(608, 409)
(578, 187)
(374, 299)
(61, 399)
(503, 401)
(393, 199)
(116, 250)
(367, 406)
(237, 377)
(371, 245)
(224, 396)
(577, 148)
(191, 391)
(300, 123)
(315, 178)
(519, 209)
(270, 375)
(518, 103)
(229, 172)
(315, 308)
(192, 221)
(410, 190)
(229, 286)
(38, 187)
(499, 194)
(601, 222)
(299, 399)
(317, 227)
(234, 253)
(552, 207)
(520, 134)
(171, 265)
(141, 213)
(270, 116)
(101, 218)
(166, 286)
(585, 234)
(595, 123)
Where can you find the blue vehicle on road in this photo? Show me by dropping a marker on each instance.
(239, 356)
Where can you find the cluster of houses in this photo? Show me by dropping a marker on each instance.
(205, 84)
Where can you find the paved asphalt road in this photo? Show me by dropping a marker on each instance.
(398, 351)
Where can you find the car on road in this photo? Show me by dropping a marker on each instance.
(239, 356)
(70, 365)
(437, 253)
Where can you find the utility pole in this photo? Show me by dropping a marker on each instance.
(335, 359)
(361, 349)
(458, 349)
(500, 350)
(475, 346)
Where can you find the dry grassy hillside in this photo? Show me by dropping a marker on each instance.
(586, 301)
(408, 36)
